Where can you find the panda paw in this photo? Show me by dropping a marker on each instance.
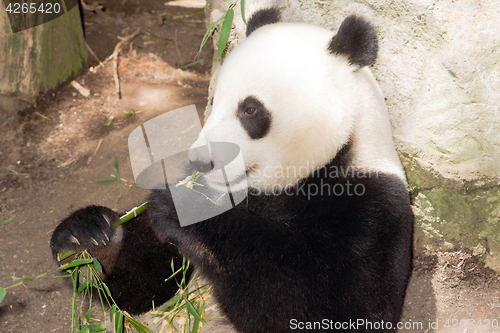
(89, 228)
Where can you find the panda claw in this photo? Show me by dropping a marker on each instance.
(94, 241)
(107, 219)
(107, 238)
(74, 240)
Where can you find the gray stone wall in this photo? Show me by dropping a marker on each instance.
(439, 68)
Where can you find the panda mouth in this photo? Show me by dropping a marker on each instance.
(234, 181)
(251, 168)
(220, 183)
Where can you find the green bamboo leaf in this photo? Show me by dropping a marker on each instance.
(27, 279)
(85, 330)
(129, 113)
(171, 302)
(103, 182)
(138, 326)
(95, 328)
(119, 322)
(3, 292)
(76, 262)
(82, 286)
(64, 255)
(115, 165)
(63, 276)
(225, 31)
(208, 34)
(112, 312)
(107, 289)
(193, 311)
(87, 315)
(5, 222)
(97, 265)
(242, 3)
(196, 324)
(109, 121)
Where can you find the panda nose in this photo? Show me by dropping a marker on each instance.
(200, 159)
(202, 166)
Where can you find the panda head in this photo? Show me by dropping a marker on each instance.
(290, 96)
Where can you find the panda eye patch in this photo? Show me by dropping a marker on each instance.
(254, 117)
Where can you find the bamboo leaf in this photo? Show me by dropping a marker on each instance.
(76, 262)
(63, 276)
(115, 165)
(129, 113)
(95, 328)
(209, 33)
(64, 255)
(138, 326)
(112, 312)
(87, 315)
(107, 289)
(82, 286)
(9, 219)
(119, 322)
(196, 324)
(97, 265)
(109, 121)
(3, 292)
(170, 303)
(26, 279)
(225, 31)
(103, 182)
(242, 3)
(190, 308)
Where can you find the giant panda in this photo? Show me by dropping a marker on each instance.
(326, 249)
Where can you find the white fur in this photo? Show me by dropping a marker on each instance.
(317, 102)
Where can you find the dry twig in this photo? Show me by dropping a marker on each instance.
(95, 152)
(114, 56)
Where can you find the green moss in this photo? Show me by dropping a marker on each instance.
(58, 52)
(453, 215)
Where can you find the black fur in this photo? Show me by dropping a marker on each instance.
(357, 40)
(258, 123)
(275, 258)
(261, 18)
(135, 268)
(282, 257)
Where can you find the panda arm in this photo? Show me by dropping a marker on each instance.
(135, 262)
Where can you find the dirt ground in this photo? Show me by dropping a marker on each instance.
(49, 153)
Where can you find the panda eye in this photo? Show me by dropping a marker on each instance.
(250, 111)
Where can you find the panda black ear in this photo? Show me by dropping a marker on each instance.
(357, 40)
(261, 18)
